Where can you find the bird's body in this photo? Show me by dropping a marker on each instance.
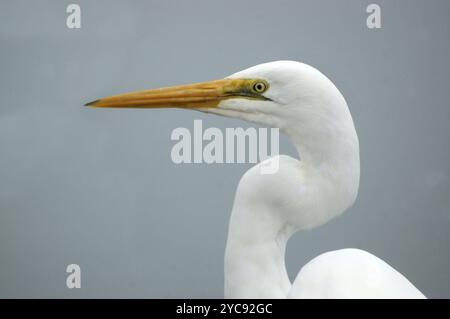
(302, 194)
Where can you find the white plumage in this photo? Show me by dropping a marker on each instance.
(303, 194)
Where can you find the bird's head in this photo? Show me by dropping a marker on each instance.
(272, 94)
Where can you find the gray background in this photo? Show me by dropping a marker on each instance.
(98, 188)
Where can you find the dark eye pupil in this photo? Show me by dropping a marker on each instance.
(259, 87)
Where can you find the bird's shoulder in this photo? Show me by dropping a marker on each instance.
(351, 273)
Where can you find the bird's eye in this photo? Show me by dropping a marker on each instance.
(259, 87)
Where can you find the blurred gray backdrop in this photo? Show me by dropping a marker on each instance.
(97, 187)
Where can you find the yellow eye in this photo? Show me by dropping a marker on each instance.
(260, 87)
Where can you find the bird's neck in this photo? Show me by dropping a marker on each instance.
(255, 253)
(330, 162)
(259, 230)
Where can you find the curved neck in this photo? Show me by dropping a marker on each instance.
(259, 230)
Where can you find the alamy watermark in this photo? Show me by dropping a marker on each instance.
(73, 20)
(73, 280)
(237, 145)
(374, 19)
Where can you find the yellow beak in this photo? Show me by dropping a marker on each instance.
(197, 95)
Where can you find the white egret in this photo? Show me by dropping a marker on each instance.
(302, 194)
